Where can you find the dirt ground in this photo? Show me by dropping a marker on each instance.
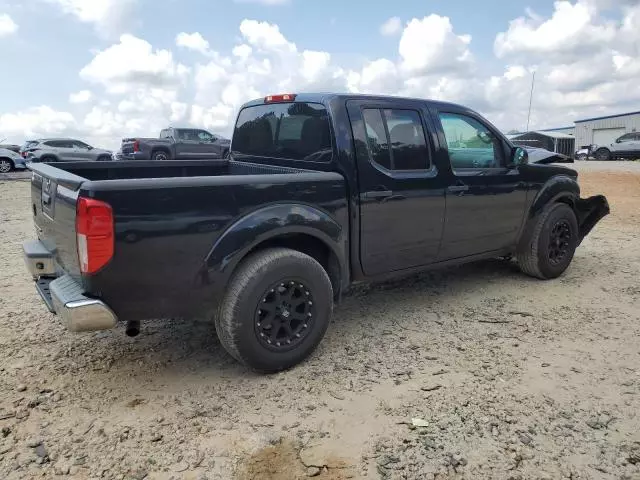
(475, 372)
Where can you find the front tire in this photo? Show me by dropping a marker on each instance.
(603, 154)
(550, 247)
(276, 309)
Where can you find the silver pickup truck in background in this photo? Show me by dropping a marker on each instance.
(175, 144)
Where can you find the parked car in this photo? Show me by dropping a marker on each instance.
(62, 150)
(175, 144)
(321, 191)
(10, 160)
(626, 146)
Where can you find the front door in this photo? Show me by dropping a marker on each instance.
(402, 200)
(486, 196)
(187, 145)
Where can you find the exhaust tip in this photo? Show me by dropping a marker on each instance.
(133, 329)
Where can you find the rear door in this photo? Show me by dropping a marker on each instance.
(402, 199)
(486, 196)
(65, 150)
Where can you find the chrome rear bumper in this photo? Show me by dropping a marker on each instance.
(63, 295)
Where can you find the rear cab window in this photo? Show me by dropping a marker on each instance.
(291, 131)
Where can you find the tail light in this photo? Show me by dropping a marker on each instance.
(136, 146)
(286, 97)
(94, 230)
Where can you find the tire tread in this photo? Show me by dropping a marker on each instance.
(528, 258)
(227, 321)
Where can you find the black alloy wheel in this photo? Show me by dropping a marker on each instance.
(276, 309)
(285, 315)
(559, 242)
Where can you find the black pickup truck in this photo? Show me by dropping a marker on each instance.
(320, 191)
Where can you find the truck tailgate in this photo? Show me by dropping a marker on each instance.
(54, 193)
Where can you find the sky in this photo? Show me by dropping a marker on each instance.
(101, 70)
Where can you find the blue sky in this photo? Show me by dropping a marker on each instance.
(52, 41)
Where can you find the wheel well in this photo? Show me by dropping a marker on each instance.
(48, 158)
(7, 159)
(313, 247)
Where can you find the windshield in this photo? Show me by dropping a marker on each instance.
(296, 131)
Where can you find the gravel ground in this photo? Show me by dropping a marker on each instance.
(473, 372)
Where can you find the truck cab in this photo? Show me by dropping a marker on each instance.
(320, 191)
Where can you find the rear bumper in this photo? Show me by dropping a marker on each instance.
(63, 295)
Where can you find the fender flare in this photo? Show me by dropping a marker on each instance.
(268, 223)
(559, 188)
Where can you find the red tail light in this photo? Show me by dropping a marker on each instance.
(136, 146)
(285, 97)
(94, 230)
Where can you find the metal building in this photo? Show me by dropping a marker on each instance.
(553, 141)
(605, 130)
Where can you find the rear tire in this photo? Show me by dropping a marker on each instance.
(550, 248)
(603, 154)
(276, 309)
(103, 158)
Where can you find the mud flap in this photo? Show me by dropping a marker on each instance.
(590, 211)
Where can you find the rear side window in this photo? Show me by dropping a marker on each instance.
(295, 131)
(396, 139)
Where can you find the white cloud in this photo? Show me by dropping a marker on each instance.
(131, 64)
(7, 25)
(391, 27)
(572, 29)
(193, 41)
(429, 45)
(139, 89)
(106, 15)
(83, 96)
(36, 121)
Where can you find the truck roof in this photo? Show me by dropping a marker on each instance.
(326, 97)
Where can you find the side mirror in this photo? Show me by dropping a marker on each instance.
(617, 140)
(89, 147)
(520, 156)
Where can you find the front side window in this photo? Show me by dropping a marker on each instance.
(396, 139)
(204, 136)
(627, 138)
(295, 131)
(470, 143)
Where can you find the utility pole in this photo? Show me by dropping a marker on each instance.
(531, 99)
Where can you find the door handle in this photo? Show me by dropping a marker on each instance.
(46, 199)
(458, 188)
(376, 194)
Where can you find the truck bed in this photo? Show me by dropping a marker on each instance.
(167, 219)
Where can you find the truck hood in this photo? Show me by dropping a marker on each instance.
(542, 156)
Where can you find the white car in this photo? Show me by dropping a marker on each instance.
(10, 160)
(626, 146)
